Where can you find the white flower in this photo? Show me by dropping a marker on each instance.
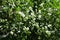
(44, 9)
(18, 31)
(37, 25)
(21, 23)
(49, 25)
(41, 4)
(26, 17)
(29, 22)
(5, 19)
(39, 11)
(36, 6)
(39, 16)
(48, 32)
(41, 25)
(2, 6)
(26, 28)
(49, 10)
(30, 8)
(26, 3)
(22, 14)
(32, 14)
(45, 27)
(11, 32)
(49, 13)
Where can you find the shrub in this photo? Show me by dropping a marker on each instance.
(29, 19)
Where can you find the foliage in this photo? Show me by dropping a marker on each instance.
(29, 19)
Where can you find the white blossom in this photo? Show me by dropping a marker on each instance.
(26, 3)
(39, 16)
(32, 14)
(26, 17)
(26, 28)
(22, 14)
(29, 22)
(39, 11)
(49, 10)
(21, 23)
(49, 13)
(41, 4)
(19, 31)
(30, 8)
(49, 25)
(48, 32)
(44, 9)
(11, 32)
(37, 25)
(36, 6)
(45, 27)
(41, 25)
